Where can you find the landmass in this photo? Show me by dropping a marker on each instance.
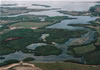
(24, 30)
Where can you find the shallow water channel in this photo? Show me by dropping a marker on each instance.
(61, 25)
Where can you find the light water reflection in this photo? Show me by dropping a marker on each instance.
(62, 25)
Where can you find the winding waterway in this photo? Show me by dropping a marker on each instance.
(61, 25)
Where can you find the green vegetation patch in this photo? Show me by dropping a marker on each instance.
(63, 35)
(31, 21)
(31, 24)
(93, 58)
(82, 50)
(28, 59)
(47, 50)
(19, 39)
(22, 18)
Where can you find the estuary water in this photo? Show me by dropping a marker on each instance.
(64, 5)
(68, 6)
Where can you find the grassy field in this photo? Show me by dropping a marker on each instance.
(93, 58)
(60, 66)
(31, 24)
(82, 50)
(65, 66)
(34, 21)
(28, 21)
(57, 65)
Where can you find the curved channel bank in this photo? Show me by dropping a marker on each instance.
(62, 25)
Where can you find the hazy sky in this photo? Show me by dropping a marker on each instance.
(49, 0)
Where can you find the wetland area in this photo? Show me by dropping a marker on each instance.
(50, 32)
